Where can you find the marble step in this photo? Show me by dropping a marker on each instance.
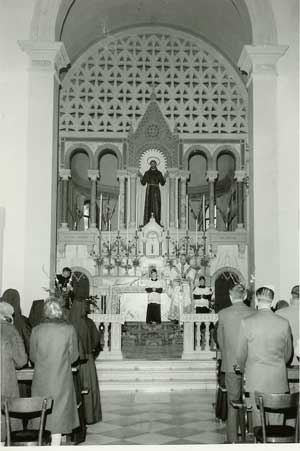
(158, 386)
(156, 375)
(152, 365)
(164, 375)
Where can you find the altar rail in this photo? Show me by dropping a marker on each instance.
(112, 324)
(195, 346)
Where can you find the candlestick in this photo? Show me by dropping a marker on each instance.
(176, 201)
(100, 213)
(196, 234)
(128, 201)
(177, 233)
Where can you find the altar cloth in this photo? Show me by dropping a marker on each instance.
(134, 306)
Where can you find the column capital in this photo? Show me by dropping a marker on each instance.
(65, 174)
(93, 174)
(46, 55)
(132, 172)
(183, 174)
(173, 173)
(121, 173)
(240, 176)
(260, 59)
(211, 176)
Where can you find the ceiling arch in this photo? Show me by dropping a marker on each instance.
(227, 24)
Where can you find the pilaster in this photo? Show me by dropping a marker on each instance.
(259, 62)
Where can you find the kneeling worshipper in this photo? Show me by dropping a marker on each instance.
(89, 339)
(53, 350)
(154, 290)
(13, 356)
(202, 296)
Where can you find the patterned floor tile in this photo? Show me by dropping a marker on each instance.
(152, 438)
(156, 419)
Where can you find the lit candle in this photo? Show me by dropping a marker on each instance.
(100, 213)
(128, 201)
(136, 206)
(187, 210)
(168, 204)
(176, 201)
(109, 225)
(119, 205)
(203, 211)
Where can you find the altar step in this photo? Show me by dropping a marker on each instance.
(157, 375)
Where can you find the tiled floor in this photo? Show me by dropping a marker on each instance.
(137, 418)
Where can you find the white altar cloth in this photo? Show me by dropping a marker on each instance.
(134, 306)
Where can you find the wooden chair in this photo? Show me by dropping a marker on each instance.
(28, 408)
(277, 403)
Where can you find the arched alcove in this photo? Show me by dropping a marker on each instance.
(79, 190)
(226, 195)
(108, 189)
(197, 186)
(223, 280)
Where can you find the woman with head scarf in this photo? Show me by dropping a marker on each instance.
(21, 323)
(88, 343)
(13, 356)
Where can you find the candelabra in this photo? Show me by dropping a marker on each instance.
(117, 253)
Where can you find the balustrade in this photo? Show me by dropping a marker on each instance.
(112, 325)
(195, 346)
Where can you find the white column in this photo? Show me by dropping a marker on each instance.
(65, 175)
(93, 175)
(259, 62)
(172, 196)
(2, 225)
(132, 172)
(121, 174)
(240, 177)
(183, 179)
(46, 60)
(211, 177)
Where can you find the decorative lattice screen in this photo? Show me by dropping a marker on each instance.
(109, 86)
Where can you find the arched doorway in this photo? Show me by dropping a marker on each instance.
(224, 281)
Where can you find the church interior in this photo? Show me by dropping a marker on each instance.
(142, 136)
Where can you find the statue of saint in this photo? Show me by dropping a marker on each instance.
(153, 178)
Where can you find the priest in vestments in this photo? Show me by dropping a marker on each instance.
(152, 178)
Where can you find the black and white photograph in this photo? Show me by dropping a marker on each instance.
(149, 223)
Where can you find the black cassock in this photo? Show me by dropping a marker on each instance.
(153, 178)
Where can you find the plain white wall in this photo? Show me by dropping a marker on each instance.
(15, 20)
(287, 17)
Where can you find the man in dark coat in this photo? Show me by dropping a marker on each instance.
(153, 178)
(229, 322)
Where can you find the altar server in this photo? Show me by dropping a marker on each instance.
(202, 296)
(154, 291)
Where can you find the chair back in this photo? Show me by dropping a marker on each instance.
(277, 402)
(36, 406)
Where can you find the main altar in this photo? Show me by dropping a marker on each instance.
(115, 223)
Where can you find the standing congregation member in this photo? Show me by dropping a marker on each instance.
(13, 356)
(229, 323)
(36, 312)
(264, 348)
(88, 343)
(154, 290)
(53, 350)
(21, 323)
(291, 313)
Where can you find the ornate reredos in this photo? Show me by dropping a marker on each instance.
(108, 88)
(153, 132)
